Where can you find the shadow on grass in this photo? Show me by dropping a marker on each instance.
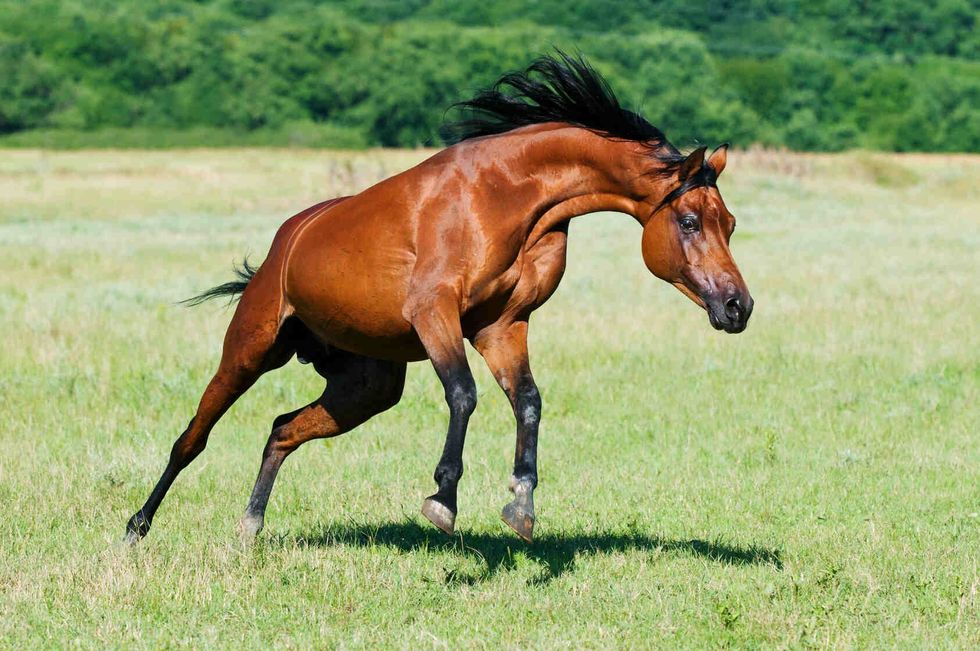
(556, 553)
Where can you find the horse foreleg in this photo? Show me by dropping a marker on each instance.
(357, 389)
(505, 351)
(437, 323)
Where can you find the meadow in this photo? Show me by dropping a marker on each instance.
(812, 482)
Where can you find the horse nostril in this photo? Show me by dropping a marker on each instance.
(734, 309)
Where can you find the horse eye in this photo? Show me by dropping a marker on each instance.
(689, 223)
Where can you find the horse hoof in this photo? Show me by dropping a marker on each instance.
(136, 529)
(249, 528)
(520, 520)
(131, 538)
(440, 515)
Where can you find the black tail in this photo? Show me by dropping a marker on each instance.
(232, 289)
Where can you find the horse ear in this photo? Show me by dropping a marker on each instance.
(718, 158)
(692, 164)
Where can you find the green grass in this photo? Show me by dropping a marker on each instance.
(811, 482)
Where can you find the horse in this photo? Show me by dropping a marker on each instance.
(462, 247)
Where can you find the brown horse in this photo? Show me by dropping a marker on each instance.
(464, 246)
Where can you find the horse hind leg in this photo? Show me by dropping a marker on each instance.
(252, 346)
(505, 351)
(358, 388)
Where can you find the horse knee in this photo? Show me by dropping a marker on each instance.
(527, 406)
(461, 396)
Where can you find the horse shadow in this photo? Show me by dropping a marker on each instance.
(496, 553)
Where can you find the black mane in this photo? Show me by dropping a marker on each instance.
(557, 88)
(563, 88)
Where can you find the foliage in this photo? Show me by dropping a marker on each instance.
(823, 75)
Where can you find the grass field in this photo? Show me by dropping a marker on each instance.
(814, 481)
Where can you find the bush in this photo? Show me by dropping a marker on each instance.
(32, 87)
(827, 75)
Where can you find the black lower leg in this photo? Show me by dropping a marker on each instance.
(273, 457)
(461, 397)
(139, 525)
(527, 409)
(519, 514)
(254, 517)
(180, 456)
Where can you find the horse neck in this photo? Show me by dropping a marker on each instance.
(582, 172)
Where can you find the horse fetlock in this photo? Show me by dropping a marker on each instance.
(447, 476)
(523, 484)
(137, 527)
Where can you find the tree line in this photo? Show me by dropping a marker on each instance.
(820, 75)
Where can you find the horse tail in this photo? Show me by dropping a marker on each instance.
(233, 289)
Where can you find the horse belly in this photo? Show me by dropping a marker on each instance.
(352, 296)
(358, 330)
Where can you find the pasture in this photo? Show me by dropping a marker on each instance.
(814, 481)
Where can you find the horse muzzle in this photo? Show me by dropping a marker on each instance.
(730, 312)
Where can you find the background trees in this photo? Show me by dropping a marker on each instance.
(818, 75)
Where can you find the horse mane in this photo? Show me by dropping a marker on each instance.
(557, 88)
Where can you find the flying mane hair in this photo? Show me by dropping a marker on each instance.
(557, 88)
(565, 88)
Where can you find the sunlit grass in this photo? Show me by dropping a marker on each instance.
(811, 482)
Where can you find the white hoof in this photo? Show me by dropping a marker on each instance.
(249, 527)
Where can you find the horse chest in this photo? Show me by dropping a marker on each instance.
(524, 286)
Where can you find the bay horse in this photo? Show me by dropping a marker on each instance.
(463, 246)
